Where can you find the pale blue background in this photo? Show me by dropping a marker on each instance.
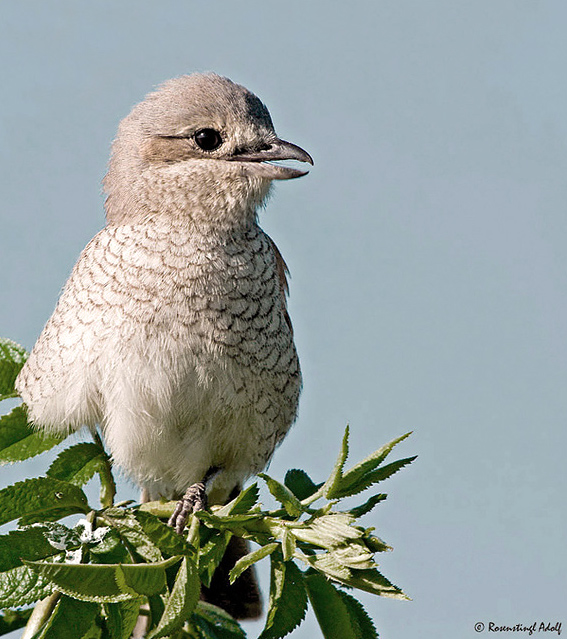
(427, 248)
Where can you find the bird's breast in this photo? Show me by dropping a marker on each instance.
(217, 298)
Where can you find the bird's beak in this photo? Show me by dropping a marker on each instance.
(277, 150)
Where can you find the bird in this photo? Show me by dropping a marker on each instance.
(172, 334)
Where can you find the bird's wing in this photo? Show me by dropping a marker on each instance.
(283, 273)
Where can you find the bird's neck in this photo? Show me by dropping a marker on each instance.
(209, 204)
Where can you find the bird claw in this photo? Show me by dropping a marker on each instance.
(194, 499)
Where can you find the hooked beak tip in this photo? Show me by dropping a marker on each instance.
(259, 162)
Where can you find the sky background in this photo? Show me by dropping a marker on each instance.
(427, 249)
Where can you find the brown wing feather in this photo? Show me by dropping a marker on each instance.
(283, 273)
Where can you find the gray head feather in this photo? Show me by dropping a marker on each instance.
(156, 139)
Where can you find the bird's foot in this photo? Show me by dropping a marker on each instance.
(194, 499)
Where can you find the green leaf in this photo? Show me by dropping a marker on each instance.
(373, 477)
(70, 620)
(338, 619)
(105, 583)
(22, 586)
(359, 616)
(369, 580)
(215, 623)
(211, 553)
(284, 495)
(300, 484)
(328, 531)
(161, 509)
(78, 463)
(86, 582)
(336, 474)
(374, 582)
(19, 441)
(251, 558)
(41, 497)
(121, 617)
(375, 544)
(337, 471)
(365, 473)
(59, 536)
(30, 543)
(147, 579)
(109, 549)
(12, 620)
(288, 600)
(12, 358)
(162, 535)
(367, 506)
(329, 566)
(357, 472)
(242, 503)
(182, 600)
(131, 531)
(95, 632)
(157, 606)
(355, 555)
(232, 523)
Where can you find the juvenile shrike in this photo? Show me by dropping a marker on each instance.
(172, 332)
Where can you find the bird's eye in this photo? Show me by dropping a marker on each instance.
(208, 139)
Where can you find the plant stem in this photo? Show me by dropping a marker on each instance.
(161, 509)
(193, 534)
(40, 615)
(107, 483)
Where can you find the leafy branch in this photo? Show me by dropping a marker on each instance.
(119, 562)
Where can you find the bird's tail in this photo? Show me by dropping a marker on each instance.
(241, 599)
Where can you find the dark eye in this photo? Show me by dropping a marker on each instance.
(208, 139)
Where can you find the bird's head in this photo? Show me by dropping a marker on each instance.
(199, 146)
